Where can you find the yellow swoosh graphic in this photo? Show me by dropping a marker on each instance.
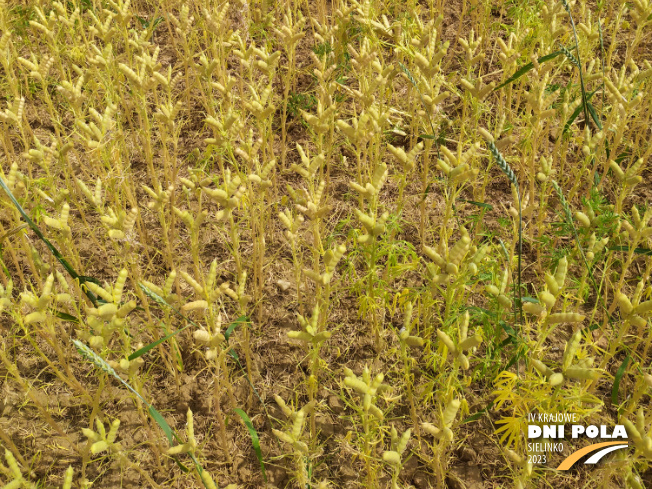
(574, 457)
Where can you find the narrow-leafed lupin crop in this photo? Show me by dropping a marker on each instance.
(221, 204)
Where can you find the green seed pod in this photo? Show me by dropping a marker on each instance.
(100, 446)
(633, 432)
(447, 434)
(434, 256)
(560, 274)
(301, 447)
(464, 325)
(450, 412)
(565, 317)
(624, 303)
(392, 458)
(456, 253)
(640, 420)
(556, 379)
(356, 384)
(67, 479)
(620, 175)
(638, 321)
(451, 269)
(455, 172)
(514, 457)
(470, 343)
(301, 335)
(283, 436)
(446, 340)
(504, 301)
(35, 317)
(324, 335)
(376, 412)
(648, 379)
(208, 480)
(571, 348)
(644, 308)
(541, 367)
(551, 283)
(297, 426)
(402, 443)
(583, 219)
(202, 336)
(431, 429)
(194, 306)
(581, 373)
(414, 341)
(534, 309)
(548, 299)
(464, 361)
(492, 290)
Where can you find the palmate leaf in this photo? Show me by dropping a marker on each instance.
(512, 430)
(506, 388)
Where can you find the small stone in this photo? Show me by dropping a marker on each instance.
(284, 285)
(336, 404)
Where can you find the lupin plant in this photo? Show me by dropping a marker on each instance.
(371, 416)
(294, 436)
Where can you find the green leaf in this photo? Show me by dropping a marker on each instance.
(71, 271)
(619, 376)
(524, 69)
(146, 348)
(255, 441)
(427, 136)
(65, 316)
(530, 299)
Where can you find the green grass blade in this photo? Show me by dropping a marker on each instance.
(160, 420)
(594, 114)
(479, 414)
(146, 348)
(525, 68)
(479, 204)
(638, 251)
(71, 271)
(255, 441)
(619, 376)
(241, 320)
